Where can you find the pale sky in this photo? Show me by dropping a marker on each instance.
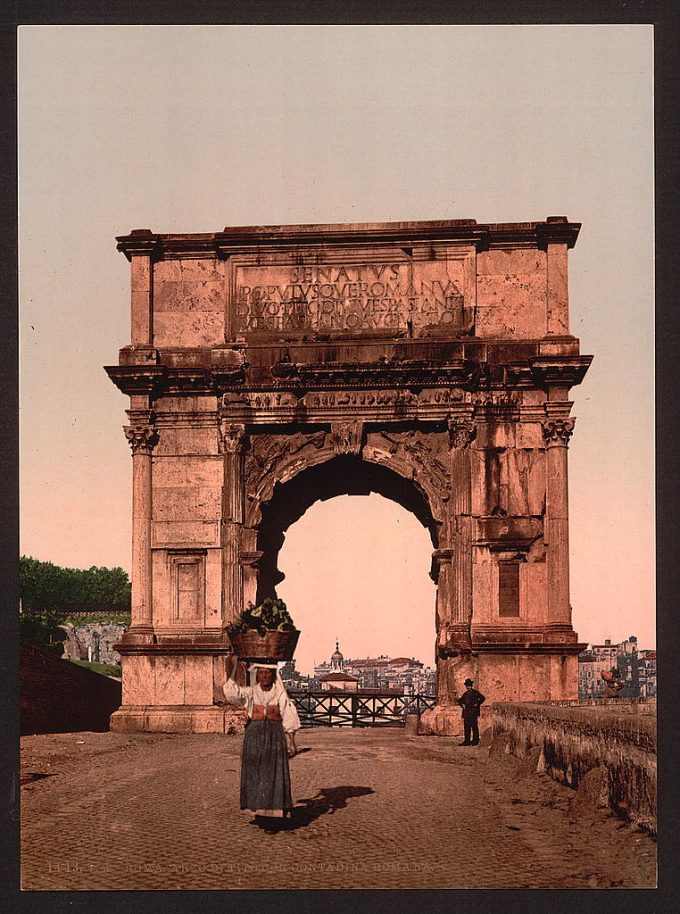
(189, 129)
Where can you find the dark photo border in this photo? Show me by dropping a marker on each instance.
(664, 17)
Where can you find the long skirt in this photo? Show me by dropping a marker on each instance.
(265, 776)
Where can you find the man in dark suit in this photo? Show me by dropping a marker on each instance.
(470, 701)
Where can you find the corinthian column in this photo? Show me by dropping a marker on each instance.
(461, 434)
(557, 433)
(142, 439)
(231, 439)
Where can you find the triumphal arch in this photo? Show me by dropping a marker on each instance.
(272, 366)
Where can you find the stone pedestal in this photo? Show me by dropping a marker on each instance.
(178, 719)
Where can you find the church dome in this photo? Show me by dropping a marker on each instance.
(337, 659)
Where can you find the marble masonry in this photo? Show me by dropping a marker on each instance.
(272, 366)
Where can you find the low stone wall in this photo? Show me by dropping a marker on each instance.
(57, 696)
(570, 739)
(92, 641)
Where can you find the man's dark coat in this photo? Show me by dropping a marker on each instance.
(470, 701)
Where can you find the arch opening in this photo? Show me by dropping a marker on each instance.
(355, 569)
(343, 475)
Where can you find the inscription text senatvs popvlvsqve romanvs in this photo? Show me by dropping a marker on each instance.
(349, 297)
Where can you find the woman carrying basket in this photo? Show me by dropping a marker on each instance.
(269, 739)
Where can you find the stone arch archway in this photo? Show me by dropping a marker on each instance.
(337, 475)
(427, 471)
(438, 353)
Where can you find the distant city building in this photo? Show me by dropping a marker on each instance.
(402, 675)
(292, 679)
(334, 666)
(647, 673)
(339, 681)
(637, 668)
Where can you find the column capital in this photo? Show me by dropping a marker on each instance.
(142, 438)
(557, 432)
(461, 432)
(230, 436)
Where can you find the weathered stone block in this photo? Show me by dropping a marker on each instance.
(128, 720)
(592, 793)
(184, 440)
(177, 472)
(169, 687)
(213, 587)
(192, 328)
(162, 721)
(187, 503)
(138, 680)
(512, 306)
(198, 681)
(503, 262)
(181, 533)
(578, 742)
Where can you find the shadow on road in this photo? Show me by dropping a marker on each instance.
(327, 800)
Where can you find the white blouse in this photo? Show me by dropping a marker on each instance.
(247, 696)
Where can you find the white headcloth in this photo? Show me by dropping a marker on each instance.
(254, 667)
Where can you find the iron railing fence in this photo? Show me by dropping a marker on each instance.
(357, 709)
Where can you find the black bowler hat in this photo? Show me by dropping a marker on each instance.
(468, 682)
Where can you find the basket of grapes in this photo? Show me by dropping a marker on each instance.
(264, 632)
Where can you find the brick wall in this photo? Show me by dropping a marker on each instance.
(57, 696)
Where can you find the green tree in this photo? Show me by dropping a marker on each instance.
(42, 630)
(45, 586)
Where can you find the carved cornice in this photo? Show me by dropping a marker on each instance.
(560, 370)
(557, 432)
(154, 380)
(136, 379)
(222, 377)
(230, 437)
(442, 556)
(346, 437)
(522, 645)
(407, 376)
(554, 230)
(456, 641)
(142, 438)
(138, 242)
(251, 559)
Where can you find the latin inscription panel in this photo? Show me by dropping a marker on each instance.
(355, 298)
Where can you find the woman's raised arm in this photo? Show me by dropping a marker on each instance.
(234, 693)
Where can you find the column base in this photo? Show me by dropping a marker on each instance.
(442, 720)
(137, 634)
(178, 719)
